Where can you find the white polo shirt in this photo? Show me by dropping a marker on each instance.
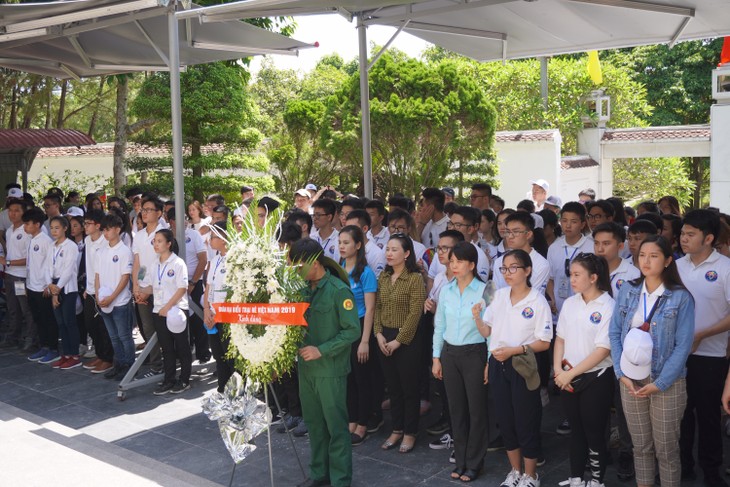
(520, 324)
(216, 280)
(538, 279)
(168, 278)
(623, 273)
(91, 252)
(143, 245)
(375, 257)
(482, 265)
(709, 284)
(5, 222)
(381, 238)
(111, 264)
(432, 230)
(38, 262)
(420, 250)
(558, 252)
(16, 241)
(439, 282)
(64, 267)
(330, 245)
(193, 246)
(584, 327)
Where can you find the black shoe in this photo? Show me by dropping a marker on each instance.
(714, 480)
(625, 470)
(121, 372)
(313, 483)
(540, 461)
(180, 386)
(496, 444)
(440, 427)
(164, 389)
(111, 373)
(375, 424)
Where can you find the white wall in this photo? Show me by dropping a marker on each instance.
(574, 181)
(720, 157)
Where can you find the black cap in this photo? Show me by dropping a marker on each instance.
(269, 203)
(306, 249)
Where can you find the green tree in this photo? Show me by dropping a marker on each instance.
(424, 118)
(635, 180)
(271, 90)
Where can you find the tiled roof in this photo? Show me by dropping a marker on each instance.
(679, 132)
(107, 150)
(577, 162)
(28, 138)
(527, 136)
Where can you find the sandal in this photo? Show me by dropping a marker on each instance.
(389, 445)
(469, 475)
(357, 440)
(457, 473)
(405, 447)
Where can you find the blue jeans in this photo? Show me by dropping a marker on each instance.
(119, 325)
(68, 328)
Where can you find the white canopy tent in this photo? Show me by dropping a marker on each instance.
(79, 38)
(489, 30)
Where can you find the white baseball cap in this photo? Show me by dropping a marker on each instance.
(74, 211)
(105, 292)
(636, 356)
(542, 183)
(539, 221)
(303, 192)
(311, 186)
(176, 320)
(555, 201)
(15, 193)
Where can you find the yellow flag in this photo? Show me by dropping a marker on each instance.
(594, 67)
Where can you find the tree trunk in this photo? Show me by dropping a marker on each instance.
(197, 168)
(120, 138)
(62, 105)
(14, 108)
(95, 113)
(31, 106)
(696, 174)
(49, 102)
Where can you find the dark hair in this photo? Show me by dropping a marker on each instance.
(327, 205)
(305, 249)
(171, 214)
(630, 211)
(574, 207)
(450, 207)
(434, 196)
(399, 214)
(590, 192)
(407, 244)
(222, 209)
(455, 234)
(472, 216)
(652, 217)
(354, 203)
(126, 224)
(80, 221)
(111, 220)
(34, 215)
(65, 224)
(648, 206)
(15, 201)
(676, 223)
(597, 265)
(360, 261)
(670, 275)
(133, 191)
(170, 203)
(497, 199)
(90, 203)
(526, 205)
(246, 189)
(706, 221)
(401, 202)
(362, 217)
(95, 216)
(643, 226)
(159, 205)
(465, 251)
(289, 232)
(219, 199)
(482, 187)
(10, 186)
(268, 203)
(604, 205)
(120, 201)
(672, 202)
(170, 238)
(53, 197)
(549, 217)
(521, 217)
(378, 206)
(523, 258)
(328, 194)
(618, 210)
(613, 228)
(299, 216)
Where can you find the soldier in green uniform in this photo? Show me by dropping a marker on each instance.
(324, 362)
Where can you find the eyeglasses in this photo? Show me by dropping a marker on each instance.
(475, 196)
(399, 229)
(511, 269)
(149, 210)
(87, 224)
(513, 233)
(49, 205)
(597, 216)
(442, 249)
(320, 215)
(458, 226)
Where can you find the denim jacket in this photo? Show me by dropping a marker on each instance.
(672, 332)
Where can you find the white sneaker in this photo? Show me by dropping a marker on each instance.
(595, 483)
(512, 480)
(573, 482)
(527, 481)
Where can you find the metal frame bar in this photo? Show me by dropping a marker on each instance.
(227, 7)
(637, 5)
(410, 14)
(675, 37)
(69, 72)
(245, 50)
(273, 12)
(74, 40)
(152, 43)
(387, 45)
(462, 31)
(367, 156)
(129, 68)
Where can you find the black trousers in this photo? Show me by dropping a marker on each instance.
(588, 412)
(705, 381)
(287, 391)
(97, 331)
(361, 383)
(223, 365)
(425, 330)
(402, 375)
(175, 346)
(463, 373)
(519, 410)
(45, 320)
(198, 334)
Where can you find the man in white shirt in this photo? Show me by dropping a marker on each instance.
(706, 274)
(430, 217)
(539, 193)
(518, 235)
(465, 220)
(52, 207)
(373, 254)
(145, 260)
(14, 192)
(302, 200)
(21, 329)
(481, 196)
(323, 216)
(378, 232)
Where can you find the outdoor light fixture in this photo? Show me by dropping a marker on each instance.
(598, 109)
(88, 14)
(721, 84)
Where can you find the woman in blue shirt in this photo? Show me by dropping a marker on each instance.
(361, 382)
(651, 333)
(460, 359)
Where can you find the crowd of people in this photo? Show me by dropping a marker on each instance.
(488, 307)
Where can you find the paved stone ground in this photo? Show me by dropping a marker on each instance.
(73, 422)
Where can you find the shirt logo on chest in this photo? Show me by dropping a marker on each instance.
(619, 283)
(171, 273)
(596, 317)
(187, 240)
(223, 270)
(711, 276)
(19, 236)
(115, 259)
(36, 247)
(332, 250)
(528, 313)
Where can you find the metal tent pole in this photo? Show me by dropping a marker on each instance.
(177, 155)
(367, 158)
